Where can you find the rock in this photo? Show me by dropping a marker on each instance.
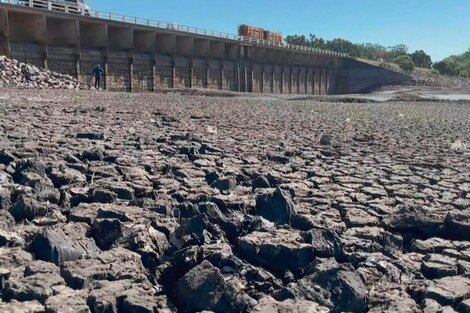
(464, 306)
(438, 266)
(338, 289)
(325, 140)
(115, 264)
(269, 305)
(458, 225)
(279, 250)
(36, 283)
(225, 184)
(28, 208)
(276, 207)
(6, 157)
(91, 136)
(68, 301)
(204, 288)
(22, 307)
(62, 243)
(449, 290)
(415, 220)
(63, 176)
(324, 243)
(106, 231)
(260, 181)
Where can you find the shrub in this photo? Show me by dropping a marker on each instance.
(405, 63)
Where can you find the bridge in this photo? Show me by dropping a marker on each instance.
(145, 55)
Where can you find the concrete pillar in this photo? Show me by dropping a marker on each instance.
(261, 82)
(221, 68)
(207, 74)
(4, 33)
(173, 71)
(281, 83)
(290, 79)
(154, 74)
(272, 79)
(131, 75)
(191, 73)
(106, 71)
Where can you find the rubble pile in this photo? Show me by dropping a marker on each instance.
(171, 203)
(16, 74)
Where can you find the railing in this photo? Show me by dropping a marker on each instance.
(73, 9)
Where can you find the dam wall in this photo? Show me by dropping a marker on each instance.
(145, 58)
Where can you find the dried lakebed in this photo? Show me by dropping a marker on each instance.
(113, 202)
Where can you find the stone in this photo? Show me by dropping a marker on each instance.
(279, 250)
(68, 301)
(115, 264)
(36, 283)
(22, 307)
(458, 225)
(464, 306)
(225, 184)
(62, 243)
(449, 290)
(325, 140)
(28, 208)
(277, 207)
(340, 290)
(438, 266)
(270, 305)
(204, 288)
(324, 243)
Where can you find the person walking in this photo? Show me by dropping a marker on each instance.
(98, 72)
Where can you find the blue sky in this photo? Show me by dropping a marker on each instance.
(440, 27)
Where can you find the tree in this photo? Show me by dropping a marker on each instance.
(298, 40)
(447, 67)
(421, 59)
(405, 63)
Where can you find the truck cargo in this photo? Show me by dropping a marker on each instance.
(259, 33)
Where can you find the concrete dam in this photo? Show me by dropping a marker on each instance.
(144, 56)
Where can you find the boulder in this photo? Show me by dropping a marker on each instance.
(28, 208)
(68, 301)
(341, 290)
(279, 250)
(449, 290)
(62, 243)
(270, 305)
(204, 288)
(22, 307)
(277, 207)
(458, 225)
(115, 264)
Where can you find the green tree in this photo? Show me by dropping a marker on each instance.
(298, 40)
(421, 59)
(447, 67)
(405, 63)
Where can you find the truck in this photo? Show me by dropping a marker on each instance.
(67, 6)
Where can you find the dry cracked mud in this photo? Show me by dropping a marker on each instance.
(115, 202)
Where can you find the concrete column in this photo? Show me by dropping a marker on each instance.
(131, 74)
(238, 76)
(45, 57)
(173, 71)
(272, 79)
(290, 79)
(306, 82)
(106, 71)
(281, 83)
(154, 76)
(206, 84)
(221, 68)
(4, 33)
(191, 73)
(261, 82)
(298, 82)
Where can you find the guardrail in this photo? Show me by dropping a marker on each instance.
(72, 9)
